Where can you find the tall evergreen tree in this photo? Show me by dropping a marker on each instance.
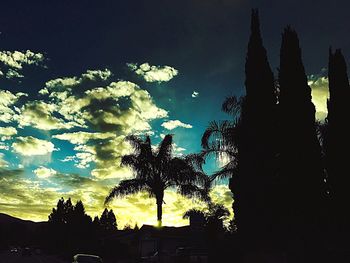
(252, 184)
(104, 219)
(57, 214)
(112, 220)
(337, 142)
(108, 220)
(300, 175)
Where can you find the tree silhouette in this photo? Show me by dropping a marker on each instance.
(79, 216)
(300, 190)
(64, 212)
(96, 222)
(108, 220)
(337, 144)
(69, 226)
(252, 184)
(57, 214)
(220, 139)
(158, 170)
(213, 217)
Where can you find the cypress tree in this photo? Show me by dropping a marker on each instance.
(337, 144)
(256, 150)
(112, 220)
(300, 174)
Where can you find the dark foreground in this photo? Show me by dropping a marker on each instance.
(10, 257)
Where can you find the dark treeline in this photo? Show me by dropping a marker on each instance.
(287, 171)
(70, 229)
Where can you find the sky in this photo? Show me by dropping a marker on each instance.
(76, 77)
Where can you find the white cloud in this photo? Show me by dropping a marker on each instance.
(85, 159)
(107, 113)
(153, 73)
(83, 137)
(320, 94)
(14, 61)
(97, 74)
(4, 146)
(43, 172)
(195, 94)
(177, 150)
(172, 124)
(112, 112)
(6, 133)
(40, 115)
(69, 82)
(7, 101)
(68, 159)
(11, 73)
(30, 146)
(61, 82)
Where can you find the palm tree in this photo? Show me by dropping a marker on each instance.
(220, 139)
(214, 216)
(157, 170)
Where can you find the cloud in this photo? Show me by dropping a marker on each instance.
(112, 112)
(172, 124)
(4, 146)
(30, 146)
(320, 94)
(86, 154)
(97, 75)
(6, 133)
(40, 115)
(120, 105)
(43, 172)
(195, 94)
(153, 73)
(7, 102)
(177, 150)
(83, 137)
(13, 62)
(3, 163)
(69, 82)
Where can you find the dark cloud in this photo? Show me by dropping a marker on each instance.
(71, 180)
(5, 173)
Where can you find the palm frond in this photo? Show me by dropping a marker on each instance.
(165, 148)
(193, 212)
(182, 171)
(127, 187)
(129, 160)
(148, 146)
(225, 172)
(232, 105)
(196, 161)
(135, 142)
(139, 164)
(219, 133)
(218, 151)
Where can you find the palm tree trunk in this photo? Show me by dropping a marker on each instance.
(159, 210)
